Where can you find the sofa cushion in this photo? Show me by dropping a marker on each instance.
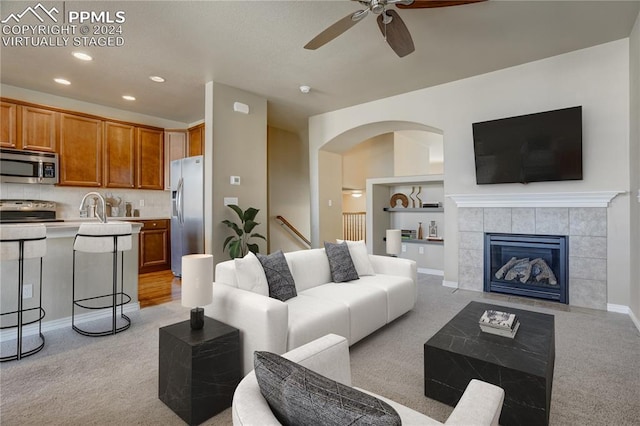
(250, 275)
(360, 257)
(311, 318)
(298, 395)
(309, 268)
(401, 292)
(340, 262)
(367, 305)
(281, 284)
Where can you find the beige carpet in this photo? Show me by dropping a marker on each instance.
(113, 380)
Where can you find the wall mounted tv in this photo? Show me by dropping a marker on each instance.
(546, 146)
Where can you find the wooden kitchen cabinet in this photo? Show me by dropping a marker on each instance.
(154, 246)
(196, 141)
(38, 129)
(80, 151)
(175, 144)
(8, 125)
(150, 158)
(119, 155)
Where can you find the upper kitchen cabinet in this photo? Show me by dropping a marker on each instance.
(119, 155)
(175, 143)
(196, 141)
(8, 125)
(150, 158)
(80, 151)
(38, 129)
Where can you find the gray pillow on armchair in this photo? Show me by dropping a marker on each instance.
(299, 396)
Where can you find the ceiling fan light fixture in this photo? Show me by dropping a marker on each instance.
(358, 15)
(377, 6)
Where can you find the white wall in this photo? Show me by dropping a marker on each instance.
(288, 174)
(596, 78)
(235, 146)
(418, 153)
(634, 158)
(371, 158)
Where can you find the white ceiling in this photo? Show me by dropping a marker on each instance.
(257, 46)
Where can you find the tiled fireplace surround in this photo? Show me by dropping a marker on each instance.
(585, 226)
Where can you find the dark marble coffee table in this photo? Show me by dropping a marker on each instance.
(522, 366)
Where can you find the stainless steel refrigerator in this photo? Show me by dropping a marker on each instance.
(187, 210)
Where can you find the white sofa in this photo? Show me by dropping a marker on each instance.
(351, 309)
(481, 403)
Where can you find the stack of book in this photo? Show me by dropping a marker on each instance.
(408, 234)
(500, 323)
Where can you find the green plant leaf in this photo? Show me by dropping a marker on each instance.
(238, 211)
(226, 241)
(233, 226)
(235, 249)
(256, 235)
(250, 214)
(253, 248)
(249, 225)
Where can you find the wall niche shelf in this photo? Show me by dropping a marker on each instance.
(413, 241)
(428, 254)
(414, 210)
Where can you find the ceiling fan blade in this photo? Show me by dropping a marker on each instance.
(422, 4)
(397, 33)
(335, 30)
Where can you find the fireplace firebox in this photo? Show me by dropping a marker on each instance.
(527, 265)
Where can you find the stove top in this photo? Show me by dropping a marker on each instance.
(30, 211)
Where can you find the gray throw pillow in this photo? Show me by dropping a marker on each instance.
(279, 278)
(299, 396)
(340, 262)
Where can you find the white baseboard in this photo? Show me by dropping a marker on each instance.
(634, 319)
(621, 309)
(32, 329)
(430, 271)
(452, 284)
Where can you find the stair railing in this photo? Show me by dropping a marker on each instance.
(284, 222)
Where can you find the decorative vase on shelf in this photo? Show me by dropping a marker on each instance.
(433, 229)
(420, 236)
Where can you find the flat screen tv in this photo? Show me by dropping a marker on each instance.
(546, 146)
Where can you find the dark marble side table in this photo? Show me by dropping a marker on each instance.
(522, 366)
(199, 369)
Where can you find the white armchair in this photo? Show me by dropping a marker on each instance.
(481, 403)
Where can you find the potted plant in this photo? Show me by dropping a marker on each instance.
(239, 244)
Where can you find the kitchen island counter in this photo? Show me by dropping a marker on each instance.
(93, 275)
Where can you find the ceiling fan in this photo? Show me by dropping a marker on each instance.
(391, 25)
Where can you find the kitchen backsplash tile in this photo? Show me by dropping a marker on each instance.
(157, 204)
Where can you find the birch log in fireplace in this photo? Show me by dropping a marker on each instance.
(527, 265)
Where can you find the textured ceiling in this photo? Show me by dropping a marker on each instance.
(257, 46)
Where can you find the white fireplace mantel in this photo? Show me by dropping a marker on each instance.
(550, 199)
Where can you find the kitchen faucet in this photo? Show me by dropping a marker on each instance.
(102, 218)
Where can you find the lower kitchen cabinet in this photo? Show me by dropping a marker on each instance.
(155, 246)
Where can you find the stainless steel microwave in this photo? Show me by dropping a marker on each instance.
(18, 166)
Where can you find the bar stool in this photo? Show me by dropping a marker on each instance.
(111, 237)
(21, 242)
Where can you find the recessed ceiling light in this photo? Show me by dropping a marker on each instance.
(156, 78)
(62, 81)
(82, 56)
(128, 97)
(305, 89)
